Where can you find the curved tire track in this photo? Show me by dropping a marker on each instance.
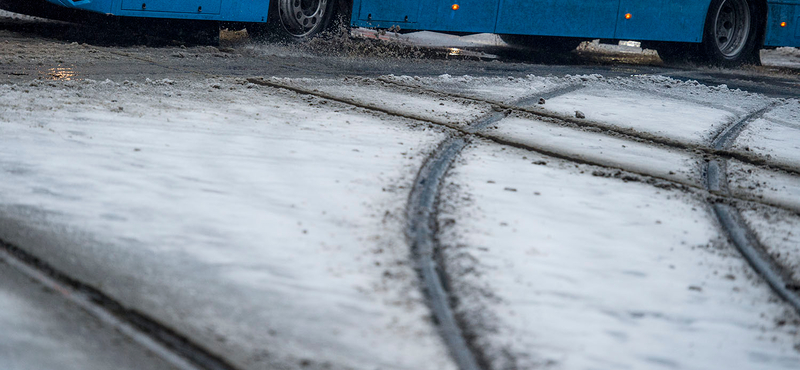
(607, 129)
(422, 235)
(507, 109)
(732, 223)
(421, 230)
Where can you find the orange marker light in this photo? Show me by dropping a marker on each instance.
(628, 16)
(455, 6)
(783, 24)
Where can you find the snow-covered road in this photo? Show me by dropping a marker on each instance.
(263, 226)
(265, 219)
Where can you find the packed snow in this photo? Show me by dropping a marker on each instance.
(660, 116)
(380, 95)
(772, 186)
(558, 266)
(775, 137)
(779, 232)
(266, 227)
(493, 89)
(597, 148)
(781, 57)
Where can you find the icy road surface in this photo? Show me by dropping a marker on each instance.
(267, 225)
(580, 271)
(41, 332)
(262, 225)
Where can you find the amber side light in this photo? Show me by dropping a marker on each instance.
(783, 24)
(628, 16)
(455, 7)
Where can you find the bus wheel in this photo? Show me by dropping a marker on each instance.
(296, 20)
(731, 35)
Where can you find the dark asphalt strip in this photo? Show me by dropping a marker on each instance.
(162, 341)
(486, 121)
(731, 221)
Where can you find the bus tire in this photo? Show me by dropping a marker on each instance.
(731, 35)
(298, 20)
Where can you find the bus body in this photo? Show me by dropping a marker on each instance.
(212, 10)
(651, 20)
(644, 20)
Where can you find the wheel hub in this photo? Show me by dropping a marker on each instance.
(732, 27)
(300, 17)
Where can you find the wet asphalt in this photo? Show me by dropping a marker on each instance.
(41, 49)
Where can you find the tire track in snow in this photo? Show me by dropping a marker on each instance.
(732, 222)
(421, 233)
(715, 182)
(727, 215)
(607, 129)
(421, 214)
(174, 348)
(506, 109)
(422, 230)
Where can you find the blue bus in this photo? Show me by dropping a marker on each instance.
(723, 32)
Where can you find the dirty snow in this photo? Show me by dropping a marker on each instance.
(658, 116)
(774, 137)
(772, 186)
(7, 14)
(779, 232)
(597, 148)
(561, 269)
(266, 227)
(377, 94)
(433, 39)
(505, 90)
(781, 57)
(719, 97)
